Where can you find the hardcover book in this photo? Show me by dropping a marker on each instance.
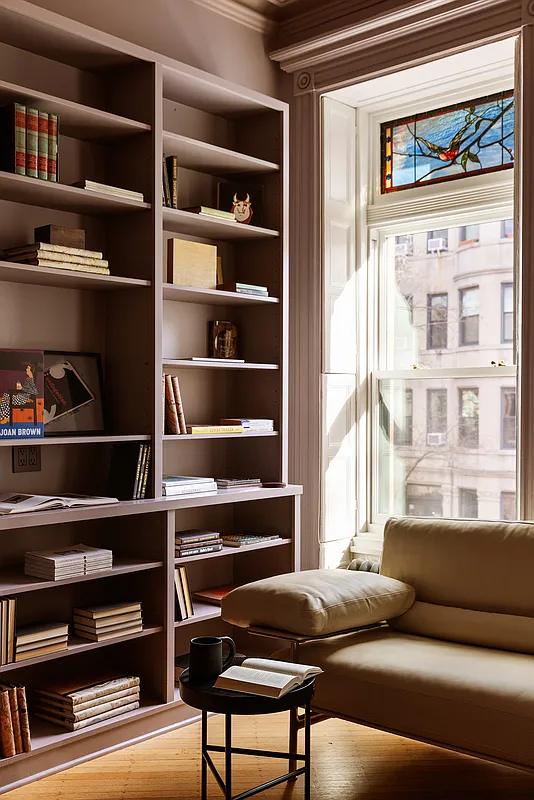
(214, 595)
(21, 394)
(43, 146)
(265, 676)
(32, 142)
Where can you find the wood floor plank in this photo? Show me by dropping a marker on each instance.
(349, 762)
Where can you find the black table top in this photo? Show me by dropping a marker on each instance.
(222, 701)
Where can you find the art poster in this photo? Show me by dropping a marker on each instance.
(21, 394)
(72, 393)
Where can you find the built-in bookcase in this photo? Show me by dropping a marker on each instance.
(122, 108)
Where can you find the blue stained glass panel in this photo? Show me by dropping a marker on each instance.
(448, 143)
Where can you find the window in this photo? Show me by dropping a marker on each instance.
(508, 507)
(469, 233)
(403, 246)
(436, 416)
(468, 418)
(423, 500)
(468, 503)
(507, 229)
(437, 313)
(468, 333)
(507, 312)
(437, 241)
(448, 143)
(405, 434)
(508, 419)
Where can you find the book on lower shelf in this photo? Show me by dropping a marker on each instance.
(174, 410)
(105, 188)
(196, 542)
(99, 623)
(14, 503)
(187, 485)
(40, 639)
(203, 430)
(214, 595)
(7, 630)
(67, 562)
(207, 211)
(250, 425)
(237, 483)
(265, 677)
(243, 288)
(14, 721)
(129, 470)
(42, 254)
(241, 539)
(77, 705)
(183, 605)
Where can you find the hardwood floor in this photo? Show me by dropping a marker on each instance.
(349, 762)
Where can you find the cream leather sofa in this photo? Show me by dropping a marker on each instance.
(453, 666)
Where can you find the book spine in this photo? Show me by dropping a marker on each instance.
(75, 726)
(186, 591)
(179, 404)
(198, 488)
(140, 458)
(78, 716)
(163, 403)
(46, 262)
(12, 603)
(43, 146)
(52, 147)
(32, 142)
(69, 710)
(195, 539)
(24, 719)
(173, 425)
(196, 551)
(146, 473)
(172, 171)
(200, 429)
(51, 255)
(20, 139)
(15, 717)
(180, 606)
(45, 247)
(7, 738)
(166, 186)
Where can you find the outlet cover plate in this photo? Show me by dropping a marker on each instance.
(27, 458)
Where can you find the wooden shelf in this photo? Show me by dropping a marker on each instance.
(77, 645)
(213, 297)
(203, 157)
(104, 439)
(203, 612)
(185, 436)
(177, 221)
(231, 551)
(65, 278)
(79, 121)
(185, 363)
(16, 582)
(35, 192)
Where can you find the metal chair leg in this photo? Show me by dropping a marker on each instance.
(293, 738)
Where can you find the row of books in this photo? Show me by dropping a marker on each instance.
(130, 469)
(195, 542)
(29, 142)
(67, 562)
(43, 254)
(170, 182)
(14, 720)
(77, 706)
(183, 605)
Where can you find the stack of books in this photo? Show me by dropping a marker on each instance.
(77, 705)
(29, 142)
(41, 639)
(187, 486)
(244, 288)
(14, 721)
(99, 623)
(104, 188)
(67, 562)
(174, 417)
(183, 605)
(238, 483)
(206, 211)
(250, 425)
(247, 537)
(196, 542)
(7, 630)
(42, 254)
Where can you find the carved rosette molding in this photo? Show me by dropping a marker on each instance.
(303, 82)
(528, 11)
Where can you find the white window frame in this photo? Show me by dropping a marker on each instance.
(473, 200)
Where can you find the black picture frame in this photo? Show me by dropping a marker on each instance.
(80, 389)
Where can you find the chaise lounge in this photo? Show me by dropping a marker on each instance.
(438, 647)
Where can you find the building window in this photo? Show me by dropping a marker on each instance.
(468, 418)
(469, 233)
(508, 419)
(508, 508)
(468, 503)
(405, 434)
(444, 144)
(507, 229)
(437, 320)
(437, 241)
(469, 317)
(507, 312)
(423, 500)
(436, 416)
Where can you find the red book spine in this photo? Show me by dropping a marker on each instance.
(43, 145)
(32, 145)
(52, 146)
(20, 139)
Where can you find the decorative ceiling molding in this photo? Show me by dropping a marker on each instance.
(242, 13)
(377, 31)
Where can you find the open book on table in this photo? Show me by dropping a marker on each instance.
(265, 676)
(19, 503)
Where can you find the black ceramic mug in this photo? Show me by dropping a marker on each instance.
(206, 657)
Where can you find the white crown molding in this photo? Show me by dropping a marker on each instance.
(239, 13)
(382, 28)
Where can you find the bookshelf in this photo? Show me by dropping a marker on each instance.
(122, 107)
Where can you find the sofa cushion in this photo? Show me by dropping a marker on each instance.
(474, 699)
(316, 602)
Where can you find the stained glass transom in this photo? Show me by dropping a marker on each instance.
(453, 142)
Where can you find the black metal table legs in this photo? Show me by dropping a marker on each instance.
(228, 750)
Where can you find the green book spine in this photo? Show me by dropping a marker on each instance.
(20, 139)
(32, 142)
(43, 145)
(52, 147)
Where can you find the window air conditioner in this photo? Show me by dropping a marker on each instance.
(436, 438)
(403, 249)
(437, 245)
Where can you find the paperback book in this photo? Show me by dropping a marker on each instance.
(23, 503)
(21, 394)
(265, 676)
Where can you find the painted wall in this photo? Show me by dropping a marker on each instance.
(183, 30)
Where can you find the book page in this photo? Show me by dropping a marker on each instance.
(257, 676)
(301, 671)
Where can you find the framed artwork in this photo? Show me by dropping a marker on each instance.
(243, 200)
(73, 394)
(447, 143)
(21, 394)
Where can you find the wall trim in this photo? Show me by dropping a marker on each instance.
(238, 13)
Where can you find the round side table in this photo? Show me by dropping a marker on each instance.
(220, 701)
